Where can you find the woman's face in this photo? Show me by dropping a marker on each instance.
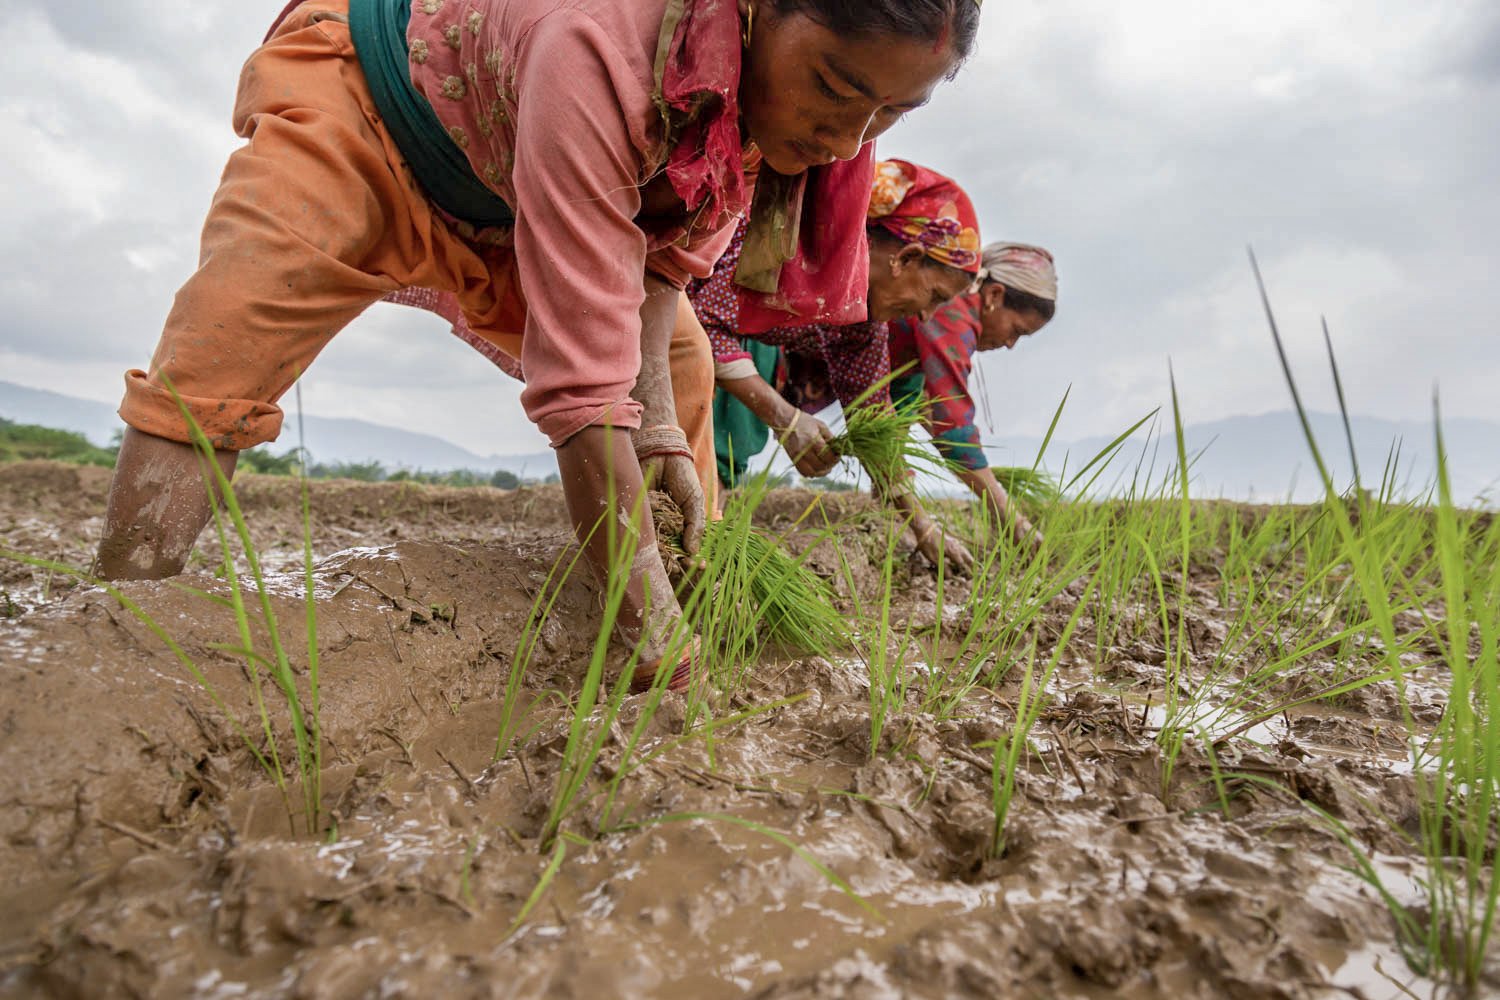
(1000, 325)
(809, 96)
(903, 282)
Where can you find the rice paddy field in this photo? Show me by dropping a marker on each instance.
(1185, 749)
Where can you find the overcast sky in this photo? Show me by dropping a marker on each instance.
(1354, 143)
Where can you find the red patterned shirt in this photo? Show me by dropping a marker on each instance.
(941, 353)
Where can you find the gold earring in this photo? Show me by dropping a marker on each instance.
(749, 24)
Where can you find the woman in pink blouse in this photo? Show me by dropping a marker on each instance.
(561, 169)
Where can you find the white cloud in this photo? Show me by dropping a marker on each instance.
(1148, 144)
(1352, 143)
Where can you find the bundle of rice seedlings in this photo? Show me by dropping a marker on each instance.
(794, 604)
(752, 576)
(759, 589)
(880, 437)
(1027, 485)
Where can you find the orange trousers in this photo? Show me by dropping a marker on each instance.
(316, 218)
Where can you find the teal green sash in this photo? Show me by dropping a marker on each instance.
(378, 30)
(739, 434)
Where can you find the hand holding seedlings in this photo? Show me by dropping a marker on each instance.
(808, 443)
(667, 465)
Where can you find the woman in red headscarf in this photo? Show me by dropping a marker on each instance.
(922, 249)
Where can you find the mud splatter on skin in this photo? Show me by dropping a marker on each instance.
(144, 853)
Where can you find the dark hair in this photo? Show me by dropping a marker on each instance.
(1026, 302)
(922, 20)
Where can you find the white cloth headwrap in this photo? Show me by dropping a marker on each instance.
(1020, 266)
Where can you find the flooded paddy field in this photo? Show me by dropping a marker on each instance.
(1192, 767)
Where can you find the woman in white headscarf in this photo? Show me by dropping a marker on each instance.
(1014, 297)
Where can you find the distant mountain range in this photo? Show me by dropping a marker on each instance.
(1260, 457)
(1265, 457)
(329, 439)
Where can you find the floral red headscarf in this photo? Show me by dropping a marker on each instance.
(921, 206)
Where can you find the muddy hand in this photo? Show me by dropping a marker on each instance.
(937, 545)
(809, 444)
(602, 487)
(677, 477)
(1026, 533)
(667, 464)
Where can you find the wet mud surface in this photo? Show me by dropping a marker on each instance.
(145, 853)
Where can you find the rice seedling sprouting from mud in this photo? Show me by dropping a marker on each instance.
(1456, 769)
(305, 777)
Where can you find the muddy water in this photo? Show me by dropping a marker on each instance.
(146, 855)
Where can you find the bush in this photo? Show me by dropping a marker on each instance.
(24, 441)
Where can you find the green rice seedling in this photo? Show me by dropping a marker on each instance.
(598, 705)
(1205, 706)
(1228, 699)
(1460, 810)
(1095, 467)
(795, 604)
(588, 730)
(886, 669)
(880, 436)
(1338, 388)
(746, 590)
(306, 725)
(1030, 486)
(1119, 561)
(310, 624)
(537, 617)
(596, 711)
(544, 881)
(1177, 658)
(1447, 934)
(1008, 592)
(1216, 775)
(1029, 704)
(1458, 816)
(784, 599)
(881, 440)
(888, 674)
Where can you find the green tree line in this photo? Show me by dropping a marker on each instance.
(19, 442)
